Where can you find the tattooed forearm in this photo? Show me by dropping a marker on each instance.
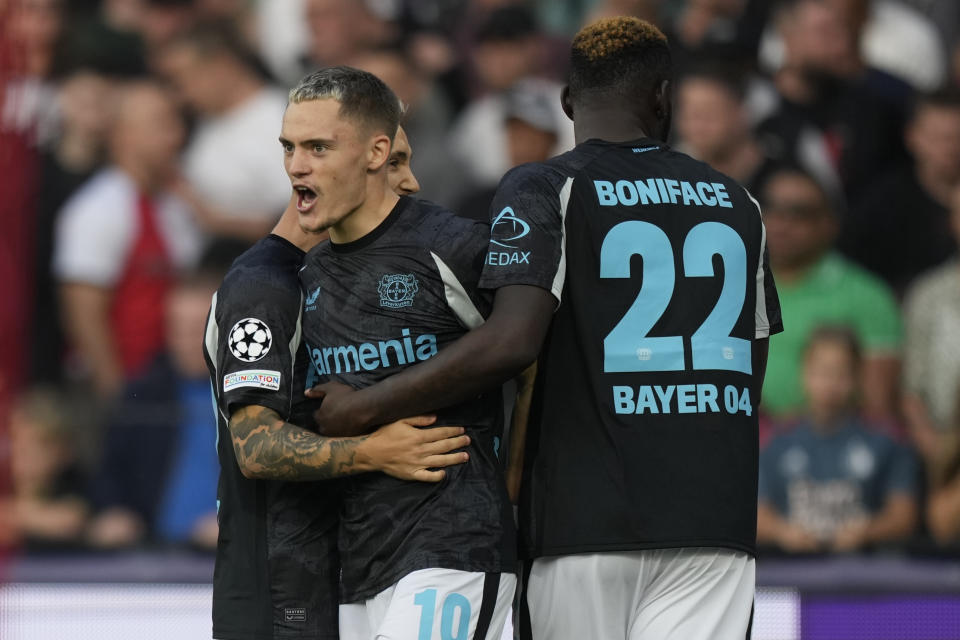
(267, 447)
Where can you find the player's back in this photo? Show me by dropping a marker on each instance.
(380, 304)
(644, 427)
(277, 569)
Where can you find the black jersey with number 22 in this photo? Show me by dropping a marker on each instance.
(644, 424)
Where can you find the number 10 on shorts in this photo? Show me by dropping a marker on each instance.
(454, 616)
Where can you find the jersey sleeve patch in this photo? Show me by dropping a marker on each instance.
(528, 231)
(253, 378)
(250, 340)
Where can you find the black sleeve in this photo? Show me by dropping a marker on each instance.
(526, 230)
(258, 327)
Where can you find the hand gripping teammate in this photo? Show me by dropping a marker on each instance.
(277, 569)
(640, 279)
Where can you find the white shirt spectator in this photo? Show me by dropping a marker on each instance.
(479, 141)
(235, 162)
(896, 39)
(98, 226)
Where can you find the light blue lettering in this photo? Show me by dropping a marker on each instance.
(626, 193)
(426, 347)
(369, 358)
(648, 191)
(646, 401)
(730, 399)
(686, 398)
(327, 352)
(605, 193)
(343, 354)
(664, 196)
(706, 192)
(707, 397)
(674, 188)
(723, 198)
(665, 394)
(689, 195)
(623, 400)
(397, 348)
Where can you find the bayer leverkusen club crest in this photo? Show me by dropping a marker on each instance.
(397, 290)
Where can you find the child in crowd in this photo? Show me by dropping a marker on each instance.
(833, 483)
(45, 508)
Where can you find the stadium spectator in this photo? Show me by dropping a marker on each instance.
(890, 36)
(74, 156)
(834, 482)
(713, 124)
(427, 118)
(33, 30)
(340, 30)
(157, 480)
(47, 508)
(239, 118)
(531, 128)
(943, 503)
(824, 83)
(119, 238)
(818, 286)
(508, 48)
(901, 226)
(932, 352)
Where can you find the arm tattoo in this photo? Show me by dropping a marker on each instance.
(267, 447)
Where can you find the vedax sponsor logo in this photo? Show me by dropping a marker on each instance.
(254, 378)
(397, 290)
(505, 230)
(369, 356)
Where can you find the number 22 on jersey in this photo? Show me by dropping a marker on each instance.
(628, 347)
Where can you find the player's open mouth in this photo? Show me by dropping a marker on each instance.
(306, 198)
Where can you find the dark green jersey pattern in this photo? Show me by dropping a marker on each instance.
(373, 307)
(277, 570)
(643, 431)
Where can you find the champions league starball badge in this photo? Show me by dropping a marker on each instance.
(249, 340)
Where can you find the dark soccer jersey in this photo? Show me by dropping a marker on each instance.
(643, 428)
(373, 307)
(277, 570)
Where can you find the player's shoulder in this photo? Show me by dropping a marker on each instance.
(271, 264)
(435, 223)
(548, 176)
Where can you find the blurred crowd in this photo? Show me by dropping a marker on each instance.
(139, 157)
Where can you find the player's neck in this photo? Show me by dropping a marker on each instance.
(365, 218)
(290, 230)
(612, 124)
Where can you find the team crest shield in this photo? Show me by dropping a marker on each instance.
(397, 290)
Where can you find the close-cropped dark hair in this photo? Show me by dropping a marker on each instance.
(731, 77)
(362, 96)
(941, 99)
(622, 56)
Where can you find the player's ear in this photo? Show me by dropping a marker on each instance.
(378, 152)
(565, 101)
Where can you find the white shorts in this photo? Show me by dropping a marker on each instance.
(660, 594)
(433, 604)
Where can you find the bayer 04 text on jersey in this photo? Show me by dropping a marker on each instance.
(681, 398)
